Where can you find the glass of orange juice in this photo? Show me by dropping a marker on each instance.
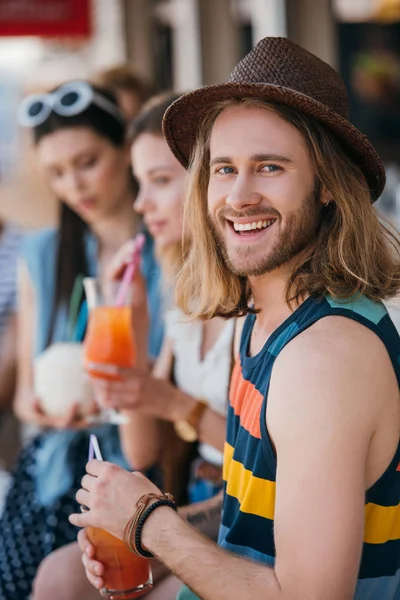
(126, 575)
(109, 339)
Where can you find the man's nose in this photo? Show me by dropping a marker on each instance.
(243, 194)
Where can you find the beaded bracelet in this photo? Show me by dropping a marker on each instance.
(142, 520)
(129, 535)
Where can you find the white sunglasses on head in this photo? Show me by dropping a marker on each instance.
(67, 101)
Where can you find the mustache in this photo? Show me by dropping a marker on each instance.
(268, 213)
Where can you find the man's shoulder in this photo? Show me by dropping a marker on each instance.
(336, 363)
(337, 338)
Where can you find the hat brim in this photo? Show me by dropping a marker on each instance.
(183, 119)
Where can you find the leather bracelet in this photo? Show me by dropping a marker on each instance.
(129, 534)
(142, 520)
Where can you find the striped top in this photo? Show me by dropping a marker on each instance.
(250, 461)
(10, 243)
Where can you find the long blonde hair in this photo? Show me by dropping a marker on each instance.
(149, 120)
(354, 253)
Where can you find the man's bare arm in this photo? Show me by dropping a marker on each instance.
(322, 433)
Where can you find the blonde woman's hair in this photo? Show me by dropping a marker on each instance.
(149, 120)
(354, 253)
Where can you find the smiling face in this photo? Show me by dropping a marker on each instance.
(161, 181)
(86, 171)
(262, 198)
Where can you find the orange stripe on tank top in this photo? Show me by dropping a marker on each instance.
(246, 401)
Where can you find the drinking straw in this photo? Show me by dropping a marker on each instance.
(74, 304)
(94, 448)
(130, 270)
(89, 285)
(81, 322)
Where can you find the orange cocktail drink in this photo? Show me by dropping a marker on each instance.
(126, 575)
(109, 339)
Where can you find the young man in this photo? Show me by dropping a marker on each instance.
(279, 209)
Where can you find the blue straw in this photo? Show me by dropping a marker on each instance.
(81, 322)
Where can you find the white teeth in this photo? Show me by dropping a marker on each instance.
(253, 225)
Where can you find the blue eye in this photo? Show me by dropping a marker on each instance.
(270, 168)
(226, 170)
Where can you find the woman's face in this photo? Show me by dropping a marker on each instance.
(161, 179)
(86, 171)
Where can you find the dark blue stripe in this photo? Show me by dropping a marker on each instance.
(247, 530)
(249, 452)
(386, 491)
(380, 560)
(244, 550)
(232, 426)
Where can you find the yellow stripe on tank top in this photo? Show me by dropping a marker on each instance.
(256, 496)
(382, 523)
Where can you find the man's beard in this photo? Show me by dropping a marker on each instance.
(299, 234)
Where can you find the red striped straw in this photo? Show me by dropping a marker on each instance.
(130, 270)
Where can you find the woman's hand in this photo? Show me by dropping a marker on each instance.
(111, 494)
(139, 390)
(140, 314)
(93, 568)
(73, 419)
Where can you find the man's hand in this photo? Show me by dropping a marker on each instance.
(93, 568)
(111, 494)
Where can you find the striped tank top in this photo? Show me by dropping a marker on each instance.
(250, 461)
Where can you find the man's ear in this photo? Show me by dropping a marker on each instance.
(326, 197)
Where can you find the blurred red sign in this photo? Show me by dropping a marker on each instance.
(45, 18)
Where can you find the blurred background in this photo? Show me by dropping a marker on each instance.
(183, 44)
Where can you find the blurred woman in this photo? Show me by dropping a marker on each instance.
(189, 384)
(188, 387)
(130, 88)
(80, 141)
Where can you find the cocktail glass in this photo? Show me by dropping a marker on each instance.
(109, 339)
(126, 574)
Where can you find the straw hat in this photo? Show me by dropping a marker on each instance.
(279, 70)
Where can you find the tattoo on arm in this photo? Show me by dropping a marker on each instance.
(198, 518)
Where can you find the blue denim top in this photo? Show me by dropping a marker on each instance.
(55, 460)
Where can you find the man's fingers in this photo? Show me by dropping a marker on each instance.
(84, 544)
(80, 519)
(98, 467)
(95, 567)
(95, 580)
(86, 518)
(87, 482)
(83, 497)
